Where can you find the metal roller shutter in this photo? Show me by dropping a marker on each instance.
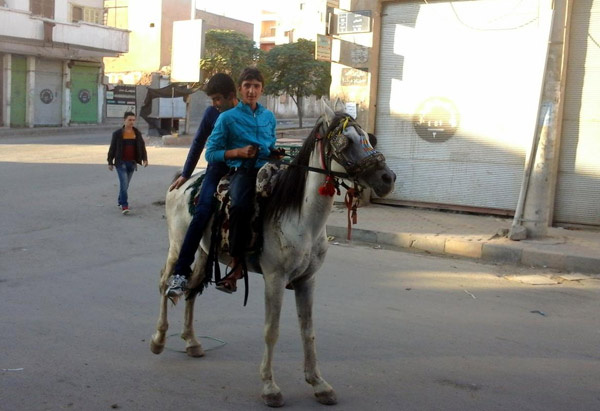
(458, 95)
(578, 189)
(48, 93)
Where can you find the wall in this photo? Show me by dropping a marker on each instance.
(98, 4)
(360, 52)
(172, 10)
(2, 97)
(284, 107)
(18, 4)
(144, 40)
(216, 22)
(61, 10)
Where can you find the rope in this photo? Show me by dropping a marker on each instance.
(351, 201)
(206, 337)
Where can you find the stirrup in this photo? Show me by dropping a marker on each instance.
(228, 280)
(228, 283)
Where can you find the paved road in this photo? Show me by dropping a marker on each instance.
(394, 330)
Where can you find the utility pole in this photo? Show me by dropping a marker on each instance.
(534, 212)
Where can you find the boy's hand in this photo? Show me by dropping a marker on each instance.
(278, 153)
(178, 183)
(243, 152)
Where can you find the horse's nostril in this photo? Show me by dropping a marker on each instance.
(388, 179)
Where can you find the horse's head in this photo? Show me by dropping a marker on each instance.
(349, 151)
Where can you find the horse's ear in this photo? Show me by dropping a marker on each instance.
(372, 139)
(328, 113)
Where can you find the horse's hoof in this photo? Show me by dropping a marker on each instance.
(156, 348)
(195, 351)
(326, 397)
(273, 400)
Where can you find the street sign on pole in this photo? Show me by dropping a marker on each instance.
(323, 48)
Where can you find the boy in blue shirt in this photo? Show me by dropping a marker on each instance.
(243, 137)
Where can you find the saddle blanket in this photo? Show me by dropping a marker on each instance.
(265, 182)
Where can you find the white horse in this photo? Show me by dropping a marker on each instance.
(294, 239)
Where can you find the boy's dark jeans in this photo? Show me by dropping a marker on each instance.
(202, 214)
(242, 189)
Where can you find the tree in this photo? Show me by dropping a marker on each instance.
(227, 51)
(293, 70)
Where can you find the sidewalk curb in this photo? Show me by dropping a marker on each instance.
(41, 131)
(489, 250)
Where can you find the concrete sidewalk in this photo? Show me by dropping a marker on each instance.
(108, 127)
(286, 128)
(466, 235)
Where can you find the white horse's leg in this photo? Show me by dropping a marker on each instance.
(304, 302)
(271, 393)
(157, 344)
(193, 348)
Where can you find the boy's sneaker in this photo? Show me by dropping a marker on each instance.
(177, 285)
(125, 209)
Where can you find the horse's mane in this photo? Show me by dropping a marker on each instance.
(288, 191)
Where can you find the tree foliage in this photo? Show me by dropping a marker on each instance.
(227, 51)
(288, 69)
(293, 70)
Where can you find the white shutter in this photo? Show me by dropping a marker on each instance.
(578, 190)
(458, 95)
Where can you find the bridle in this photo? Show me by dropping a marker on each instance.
(336, 150)
(333, 147)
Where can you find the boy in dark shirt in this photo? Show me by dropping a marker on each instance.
(222, 92)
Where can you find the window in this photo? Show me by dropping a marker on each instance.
(92, 15)
(116, 13)
(89, 14)
(76, 14)
(44, 8)
(290, 35)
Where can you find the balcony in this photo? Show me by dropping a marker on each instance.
(20, 32)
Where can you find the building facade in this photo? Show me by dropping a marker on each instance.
(488, 106)
(287, 23)
(51, 53)
(293, 20)
(150, 23)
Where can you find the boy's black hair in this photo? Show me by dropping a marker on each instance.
(220, 83)
(127, 114)
(251, 73)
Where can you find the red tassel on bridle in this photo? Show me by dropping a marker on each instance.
(328, 187)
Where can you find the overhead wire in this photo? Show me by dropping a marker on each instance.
(501, 16)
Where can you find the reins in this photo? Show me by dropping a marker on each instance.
(332, 183)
